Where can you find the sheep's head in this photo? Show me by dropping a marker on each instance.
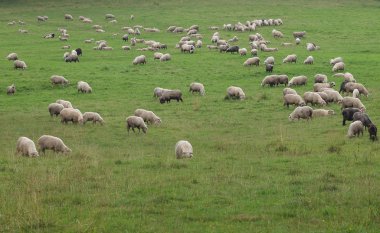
(66, 150)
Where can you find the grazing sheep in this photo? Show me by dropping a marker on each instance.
(65, 103)
(72, 58)
(125, 37)
(183, 149)
(243, 52)
(197, 87)
(254, 52)
(322, 112)
(320, 86)
(68, 17)
(168, 95)
(293, 99)
(352, 102)
(252, 61)
(139, 60)
(92, 116)
(363, 117)
(313, 98)
(157, 92)
(198, 44)
(303, 112)
(332, 96)
(84, 87)
(335, 60)
(350, 87)
(270, 80)
(233, 49)
(277, 34)
(148, 116)
(282, 79)
(52, 143)
(320, 78)
(355, 129)
(269, 60)
(298, 81)
(299, 34)
(165, 57)
(136, 122)
(311, 47)
(110, 16)
(26, 147)
(269, 68)
(338, 67)
(71, 114)
(55, 109)
(348, 114)
(11, 90)
(18, 64)
(41, 18)
(298, 41)
(309, 60)
(288, 90)
(355, 93)
(372, 130)
(324, 96)
(157, 55)
(57, 79)
(290, 59)
(187, 48)
(12, 57)
(223, 48)
(235, 93)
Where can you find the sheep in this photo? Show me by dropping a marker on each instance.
(302, 112)
(299, 34)
(269, 60)
(26, 147)
(57, 79)
(270, 80)
(183, 149)
(157, 55)
(269, 68)
(350, 87)
(65, 103)
(335, 60)
(165, 57)
(71, 114)
(286, 44)
(309, 60)
(355, 129)
(157, 92)
(198, 44)
(290, 58)
(52, 143)
(197, 87)
(298, 81)
(49, 36)
(313, 98)
(349, 77)
(84, 87)
(293, 99)
(136, 122)
(338, 67)
(18, 64)
(125, 37)
(233, 49)
(147, 116)
(187, 48)
(41, 18)
(243, 52)
(66, 47)
(252, 61)
(126, 47)
(352, 102)
(355, 93)
(288, 90)
(12, 57)
(92, 116)
(348, 114)
(139, 60)
(55, 109)
(324, 96)
(332, 96)
(68, 17)
(11, 90)
(235, 93)
(282, 79)
(212, 47)
(320, 78)
(298, 41)
(311, 47)
(372, 130)
(223, 48)
(254, 52)
(317, 87)
(72, 58)
(363, 117)
(322, 112)
(277, 34)
(110, 16)
(167, 95)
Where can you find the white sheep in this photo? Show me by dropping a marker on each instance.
(355, 93)
(290, 58)
(235, 93)
(68, 17)
(139, 60)
(243, 51)
(313, 98)
(65, 103)
(165, 57)
(335, 60)
(293, 99)
(26, 147)
(355, 129)
(55, 109)
(350, 86)
(338, 66)
(252, 61)
(277, 34)
(322, 112)
(12, 56)
(157, 55)
(199, 44)
(84, 87)
(317, 87)
(333, 96)
(92, 116)
(148, 116)
(320, 78)
(288, 90)
(269, 60)
(57, 79)
(11, 90)
(351, 102)
(303, 112)
(52, 143)
(197, 87)
(309, 60)
(183, 149)
(298, 80)
(311, 47)
(71, 114)
(18, 64)
(136, 122)
(298, 41)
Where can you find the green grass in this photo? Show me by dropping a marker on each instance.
(252, 170)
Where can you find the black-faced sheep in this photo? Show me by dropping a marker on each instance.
(372, 130)
(52, 143)
(136, 122)
(72, 58)
(26, 147)
(79, 52)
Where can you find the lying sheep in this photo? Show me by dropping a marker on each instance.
(300, 34)
(148, 116)
(363, 117)
(298, 81)
(183, 149)
(197, 87)
(322, 112)
(338, 67)
(290, 59)
(309, 60)
(304, 112)
(320, 86)
(165, 57)
(372, 130)
(84, 87)
(26, 147)
(335, 60)
(313, 98)
(65, 103)
(71, 114)
(57, 79)
(18, 64)
(92, 116)
(293, 99)
(52, 143)
(352, 102)
(235, 93)
(136, 122)
(139, 60)
(252, 61)
(320, 78)
(348, 114)
(11, 90)
(355, 129)
(243, 51)
(168, 95)
(55, 109)
(12, 57)
(288, 90)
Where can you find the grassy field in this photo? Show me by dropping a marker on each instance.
(252, 170)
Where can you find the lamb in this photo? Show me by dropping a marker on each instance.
(171, 94)
(243, 52)
(352, 102)
(18, 64)
(320, 78)
(235, 93)
(355, 93)
(304, 112)
(165, 57)
(299, 34)
(313, 98)
(309, 60)
(355, 129)
(84, 87)
(12, 57)
(252, 61)
(92, 116)
(26, 147)
(57, 79)
(350, 87)
(11, 90)
(197, 87)
(322, 112)
(363, 117)
(290, 59)
(348, 114)
(372, 130)
(293, 99)
(298, 81)
(148, 116)
(139, 60)
(277, 34)
(55, 109)
(71, 114)
(183, 149)
(65, 103)
(338, 67)
(269, 60)
(52, 143)
(320, 86)
(136, 122)
(157, 55)
(288, 90)
(335, 60)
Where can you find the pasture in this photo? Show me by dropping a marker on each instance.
(253, 170)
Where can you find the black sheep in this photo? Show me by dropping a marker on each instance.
(348, 114)
(233, 49)
(363, 117)
(372, 130)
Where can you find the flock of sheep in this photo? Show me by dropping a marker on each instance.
(322, 93)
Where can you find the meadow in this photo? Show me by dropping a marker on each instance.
(253, 170)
